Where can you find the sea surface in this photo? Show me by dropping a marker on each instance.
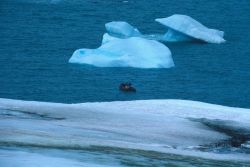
(37, 38)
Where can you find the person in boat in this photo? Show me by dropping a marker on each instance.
(127, 87)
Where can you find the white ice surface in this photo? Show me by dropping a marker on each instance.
(107, 38)
(121, 29)
(13, 158)
(130, 52)
(159, 125)
(182, 27)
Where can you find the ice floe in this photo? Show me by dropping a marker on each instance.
(130, 52)
(121, 29)
(185, 28)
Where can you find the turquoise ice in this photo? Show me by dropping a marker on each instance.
(121, 29)
(185, 28)
(130, 52)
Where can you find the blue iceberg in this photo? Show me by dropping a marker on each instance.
(121, 29)
(180, 28)
(129, 52)
(185, 28)
(124, 46)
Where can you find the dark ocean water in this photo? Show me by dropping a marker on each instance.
(39, 36)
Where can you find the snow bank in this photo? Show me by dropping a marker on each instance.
(158, 125)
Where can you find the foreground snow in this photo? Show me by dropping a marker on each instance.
(170, 126)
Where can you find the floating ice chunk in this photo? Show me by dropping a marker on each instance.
(121, 29)
(174, 36)
(130, 52)
(107, 38)
(185, 28)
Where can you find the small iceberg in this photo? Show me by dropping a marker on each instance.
(125, 46)
(121, 29)
(185, 28)
(129, 52)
